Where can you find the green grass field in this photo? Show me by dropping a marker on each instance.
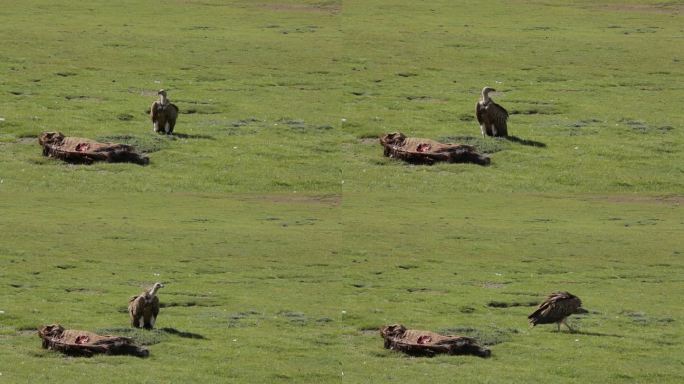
(285, 238)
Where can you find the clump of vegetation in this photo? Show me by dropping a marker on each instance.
(145, 144)
(483, 145)
(484, 336)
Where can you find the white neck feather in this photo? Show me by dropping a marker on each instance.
(163, 99)
(485, 97)
(153, 291)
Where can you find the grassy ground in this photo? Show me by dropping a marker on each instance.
(285, 239)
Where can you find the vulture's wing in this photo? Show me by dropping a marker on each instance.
(498, 115)
(479, 112)
(171, 111)
(500, 109)
(134, 305)
(135, 309)
(556, 307)
(154, 112)
(537, 316)
(155, 306)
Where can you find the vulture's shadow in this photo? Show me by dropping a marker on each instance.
(191, 136)
(521, 141)
(187, 335)
(596, 334)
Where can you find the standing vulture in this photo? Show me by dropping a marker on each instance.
(556, 308)
(491, 116)
(163, 114)
(144, 308)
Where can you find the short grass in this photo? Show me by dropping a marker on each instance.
(286, 240)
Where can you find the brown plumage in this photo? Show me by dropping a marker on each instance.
(491, 116)
(144, 308)
(163, 114)
(556, 308)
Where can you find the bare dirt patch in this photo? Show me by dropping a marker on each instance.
(493, 285)
(427, 99)
(144, 92)
(662, 8)
(368, 140)
(333, 200)
(325, 7)
(626, 199)
(28, 140)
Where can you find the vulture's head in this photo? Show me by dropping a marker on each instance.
(396, 138)
(394, 330)
(486, 90)
(54, 330)
(162, 92)
(50, 138)
(155, 288)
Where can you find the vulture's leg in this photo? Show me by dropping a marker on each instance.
(494, 132)
(483, 129)
(558, 324)
(566, 324)
(152, 320)
(167, 128)
(155, 126)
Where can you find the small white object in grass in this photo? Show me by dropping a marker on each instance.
(2, 119)
(234, 147)
(576, 339)
(576, 147)
(234, 339)
(157, 81)
(342, 181)
(1, 312)
(343, 120)
(344, 312)
(156, 274)
(498, 274)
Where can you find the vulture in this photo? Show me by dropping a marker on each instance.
(491, 116)
(556, 308)
(144, 308)
(163, 114)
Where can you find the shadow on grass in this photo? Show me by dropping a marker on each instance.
(596, 334)
(191, 136)
(486, 336)
(187, 335)
(521, 141)
(504, 304)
